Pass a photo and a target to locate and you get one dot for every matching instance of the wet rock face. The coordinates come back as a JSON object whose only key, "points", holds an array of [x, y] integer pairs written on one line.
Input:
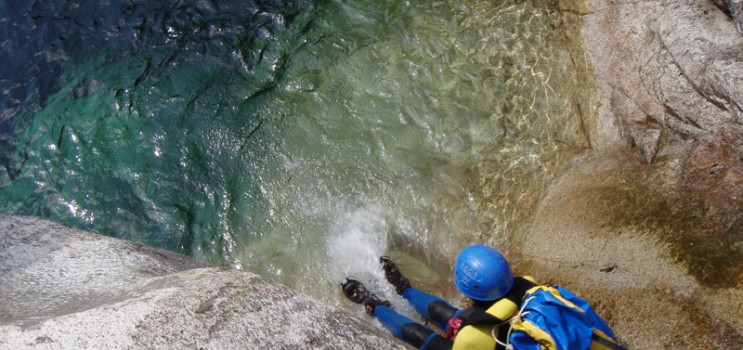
{"points": [[668, 78], [66, 289], [653, 213], [627, 250]]}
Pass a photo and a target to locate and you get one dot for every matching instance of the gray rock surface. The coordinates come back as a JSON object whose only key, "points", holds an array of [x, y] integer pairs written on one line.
{"points": [[666, 70], [49, 270], [735, 9], [62, 288]]}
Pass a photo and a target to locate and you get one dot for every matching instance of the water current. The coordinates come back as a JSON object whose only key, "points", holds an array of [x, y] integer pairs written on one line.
{"points": [[296, 139]]}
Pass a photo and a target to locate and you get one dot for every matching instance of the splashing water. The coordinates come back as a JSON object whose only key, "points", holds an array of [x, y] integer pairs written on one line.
{"points": [[354, 240], [299, 140], [354, 246]]}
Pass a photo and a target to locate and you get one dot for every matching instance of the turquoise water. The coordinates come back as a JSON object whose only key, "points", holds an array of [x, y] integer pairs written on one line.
{"points": [[297, 140]]}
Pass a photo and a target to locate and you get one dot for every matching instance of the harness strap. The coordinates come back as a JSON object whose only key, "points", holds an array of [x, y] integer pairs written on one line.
{"points": [[455, 323], [477, 314], [606, 342]]}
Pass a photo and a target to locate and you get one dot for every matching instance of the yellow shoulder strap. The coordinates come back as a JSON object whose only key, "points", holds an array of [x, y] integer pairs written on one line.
{"points": [[504, 308]]}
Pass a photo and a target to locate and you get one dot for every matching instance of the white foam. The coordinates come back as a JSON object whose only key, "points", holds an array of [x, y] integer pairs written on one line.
{"points": [[357, 240]]}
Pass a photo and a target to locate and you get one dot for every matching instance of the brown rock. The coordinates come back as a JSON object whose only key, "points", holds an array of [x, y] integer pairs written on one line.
{"points": [[651, 218]]}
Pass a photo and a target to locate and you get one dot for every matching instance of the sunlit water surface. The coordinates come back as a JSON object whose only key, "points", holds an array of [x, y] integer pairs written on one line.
{"points": [[297, 140]]}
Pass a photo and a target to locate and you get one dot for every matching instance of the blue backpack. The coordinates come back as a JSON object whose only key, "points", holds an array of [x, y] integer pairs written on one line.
{"points": [[553, 318]]}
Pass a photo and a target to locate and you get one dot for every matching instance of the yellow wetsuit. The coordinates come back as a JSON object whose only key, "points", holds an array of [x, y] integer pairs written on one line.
{"points": [[480, 336]]}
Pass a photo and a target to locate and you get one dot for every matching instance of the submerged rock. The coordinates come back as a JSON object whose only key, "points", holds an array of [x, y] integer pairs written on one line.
{"points": [[62, 288]]}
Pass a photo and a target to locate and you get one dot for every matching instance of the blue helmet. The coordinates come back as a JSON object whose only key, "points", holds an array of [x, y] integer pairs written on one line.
{"points": [[482, 273]]}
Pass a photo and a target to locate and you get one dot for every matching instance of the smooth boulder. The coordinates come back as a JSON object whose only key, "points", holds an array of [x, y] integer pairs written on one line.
{"points": [[62, 288]]}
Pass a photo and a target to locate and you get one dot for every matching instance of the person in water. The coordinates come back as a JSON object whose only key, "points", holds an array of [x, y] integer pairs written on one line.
{"points": [[507, 312]]}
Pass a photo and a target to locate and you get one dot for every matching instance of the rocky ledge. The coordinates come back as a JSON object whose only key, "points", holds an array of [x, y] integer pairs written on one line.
{"points": [[61, 288]]}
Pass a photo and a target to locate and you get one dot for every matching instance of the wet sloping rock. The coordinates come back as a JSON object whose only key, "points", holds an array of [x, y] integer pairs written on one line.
{"points": [[585, 237], [669, 77], [61, 288], [648, 224]]}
